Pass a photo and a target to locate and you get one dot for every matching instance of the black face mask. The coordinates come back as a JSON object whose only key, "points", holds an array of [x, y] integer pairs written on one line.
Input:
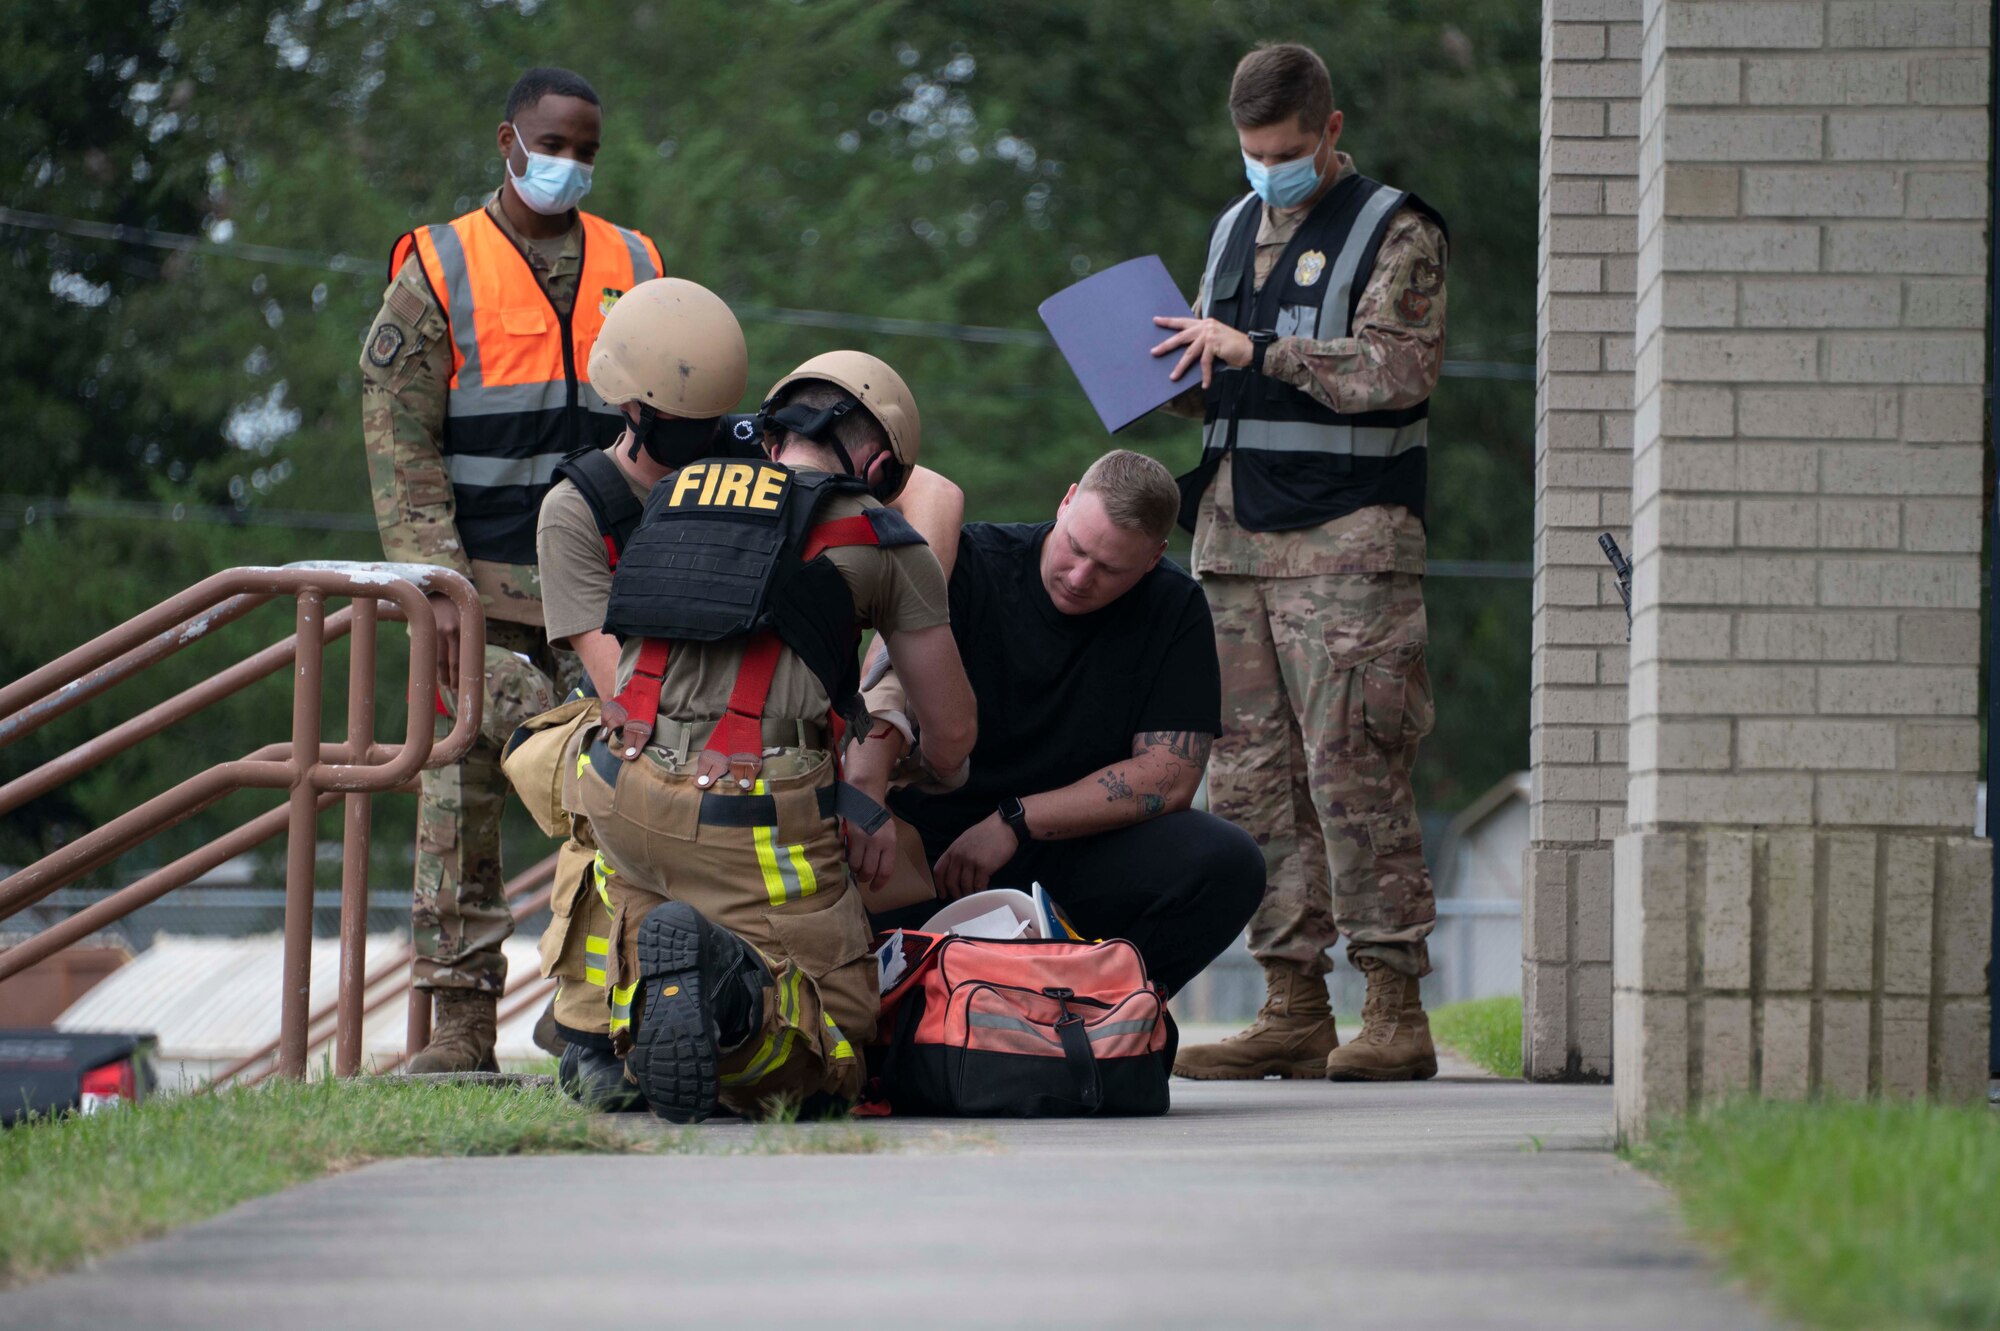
{"points": [[672, 442]]}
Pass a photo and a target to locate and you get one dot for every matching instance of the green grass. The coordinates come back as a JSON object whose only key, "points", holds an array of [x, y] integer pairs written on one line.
{"points": [[1485, 1030], [77, 1187], [1847, 1214]]}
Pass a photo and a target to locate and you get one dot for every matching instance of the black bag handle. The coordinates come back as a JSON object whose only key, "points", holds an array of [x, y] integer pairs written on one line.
{"points": [[1082, 1059]]}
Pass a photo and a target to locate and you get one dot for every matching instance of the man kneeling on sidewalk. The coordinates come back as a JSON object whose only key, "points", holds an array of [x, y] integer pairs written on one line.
{"points": [[1099, 695], [740, 971]]}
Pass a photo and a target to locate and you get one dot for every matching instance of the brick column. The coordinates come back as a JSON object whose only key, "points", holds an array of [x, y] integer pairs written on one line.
{"points": [[1583, 485], [1800, 906]]}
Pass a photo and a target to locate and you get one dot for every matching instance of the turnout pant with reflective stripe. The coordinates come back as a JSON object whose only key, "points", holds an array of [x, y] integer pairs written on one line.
{"points": [[576, 945], [768, 866]]}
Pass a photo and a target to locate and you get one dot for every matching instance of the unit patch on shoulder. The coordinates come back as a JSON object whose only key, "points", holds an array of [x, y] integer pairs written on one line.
{"points": [[732, 485], [609, 298], [1311, 264], [1414, 306], [382, 348]]}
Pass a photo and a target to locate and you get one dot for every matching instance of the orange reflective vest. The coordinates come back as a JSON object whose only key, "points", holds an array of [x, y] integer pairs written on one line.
{"points": [[520, 396]]}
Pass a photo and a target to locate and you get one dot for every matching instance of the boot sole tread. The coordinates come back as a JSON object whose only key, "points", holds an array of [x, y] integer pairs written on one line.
{"points": [[1295, 1072], [1418, 1073], [673, 1052]]}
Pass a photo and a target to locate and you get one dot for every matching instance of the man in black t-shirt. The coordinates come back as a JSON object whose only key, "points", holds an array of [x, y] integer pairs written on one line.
{"points": [[1099, 695]]}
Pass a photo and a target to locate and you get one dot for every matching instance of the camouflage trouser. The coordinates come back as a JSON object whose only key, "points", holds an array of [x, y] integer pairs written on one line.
{"points": [[1324, 697], [459, 917]]}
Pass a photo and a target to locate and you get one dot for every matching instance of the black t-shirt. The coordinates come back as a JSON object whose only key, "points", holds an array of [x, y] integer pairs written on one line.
{"points": [[1062, 695]]}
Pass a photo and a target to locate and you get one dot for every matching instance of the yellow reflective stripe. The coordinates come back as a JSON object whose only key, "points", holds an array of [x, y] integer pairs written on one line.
{"points": [[601, 873], [621, 1006], [841, 1048], [776, 1048], [600, 949], [767, 860], [582, 761], [802, 870]]}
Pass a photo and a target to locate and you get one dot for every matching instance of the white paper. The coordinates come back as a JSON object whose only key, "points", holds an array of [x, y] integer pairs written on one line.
{"points": [[1001, 923]]}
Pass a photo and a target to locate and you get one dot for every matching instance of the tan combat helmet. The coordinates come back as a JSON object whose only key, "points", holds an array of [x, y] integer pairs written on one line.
{"points": [[673, 345], [879, 390]]}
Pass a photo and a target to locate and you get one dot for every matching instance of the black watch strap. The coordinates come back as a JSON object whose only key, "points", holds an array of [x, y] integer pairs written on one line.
{"points": [[1013, 813]]}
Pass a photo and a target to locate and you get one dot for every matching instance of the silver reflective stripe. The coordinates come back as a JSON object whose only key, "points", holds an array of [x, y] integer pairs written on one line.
{"points": [[474, 472], [999, 1022], [1333, 308], [458, 297], [996, 1021], [642, 262], [507, 399], [1218, 243], [1362, 441]]}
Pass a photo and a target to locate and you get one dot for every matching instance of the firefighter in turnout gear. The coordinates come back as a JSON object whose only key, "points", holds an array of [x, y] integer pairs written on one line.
{"points": [[585, 522], [474, 385], [739, 968], [672, 417], [1319, 334]]}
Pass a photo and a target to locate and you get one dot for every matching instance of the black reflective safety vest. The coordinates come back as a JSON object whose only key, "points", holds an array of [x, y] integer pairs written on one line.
{"points": [[731, 549], [1298, 463]]}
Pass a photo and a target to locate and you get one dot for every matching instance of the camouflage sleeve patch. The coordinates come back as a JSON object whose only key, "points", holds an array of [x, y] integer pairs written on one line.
{"points": [[1397, 349], [405, 371]]}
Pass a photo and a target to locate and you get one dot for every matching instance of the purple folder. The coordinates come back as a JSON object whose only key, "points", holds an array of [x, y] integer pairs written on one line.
{"points": [[1104, 328]]}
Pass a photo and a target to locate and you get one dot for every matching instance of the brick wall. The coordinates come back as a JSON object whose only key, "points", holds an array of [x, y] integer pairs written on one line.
{"points": [[1583, 485], [1806, 529]]}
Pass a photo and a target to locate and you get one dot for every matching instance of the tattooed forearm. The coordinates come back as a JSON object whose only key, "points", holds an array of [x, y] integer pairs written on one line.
{"points": [[1152, 804], [1189, 746], [1115, 785]]}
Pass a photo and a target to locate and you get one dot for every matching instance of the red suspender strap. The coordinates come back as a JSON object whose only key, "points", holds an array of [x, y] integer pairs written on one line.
{"points": [[857, 530], [611, 551], [633, 712], [741, 729]]}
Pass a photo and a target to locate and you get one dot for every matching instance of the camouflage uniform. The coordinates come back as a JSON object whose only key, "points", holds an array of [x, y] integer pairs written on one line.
{"points": [[460, 916], [1321, 636]]}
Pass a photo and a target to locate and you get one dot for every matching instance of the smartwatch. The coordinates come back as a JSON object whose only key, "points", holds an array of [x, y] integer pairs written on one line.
{"points": [[1015, 816], [1260, 344]]}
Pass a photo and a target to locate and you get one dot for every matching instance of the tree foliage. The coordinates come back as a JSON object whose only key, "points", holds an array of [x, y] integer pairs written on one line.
{"points": [[949, 160]]}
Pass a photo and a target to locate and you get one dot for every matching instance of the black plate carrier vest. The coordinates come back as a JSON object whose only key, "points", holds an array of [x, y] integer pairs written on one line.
{"points": [[716, 556], [1299, 463]]}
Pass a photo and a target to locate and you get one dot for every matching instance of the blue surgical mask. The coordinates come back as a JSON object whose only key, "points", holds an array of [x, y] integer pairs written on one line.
{"points": [[1288, 184], [551, 185]]}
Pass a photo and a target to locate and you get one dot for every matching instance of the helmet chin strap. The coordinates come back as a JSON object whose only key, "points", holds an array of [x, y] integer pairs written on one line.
{"points": [[817, 426]]}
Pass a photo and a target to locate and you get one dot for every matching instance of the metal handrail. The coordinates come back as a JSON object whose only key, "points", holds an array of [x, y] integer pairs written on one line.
{"points": [[316, 774], [526, 893]]}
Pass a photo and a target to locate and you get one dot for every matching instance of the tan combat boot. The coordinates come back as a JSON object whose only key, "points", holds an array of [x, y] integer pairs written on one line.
{"points": [[1395, 1040], [1292, 1036], [462, 1039]]}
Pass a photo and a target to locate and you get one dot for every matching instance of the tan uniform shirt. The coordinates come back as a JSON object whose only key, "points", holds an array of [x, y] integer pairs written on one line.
{"points": [[402, 422], [1392, 360], [899, 589], [576, 569]]}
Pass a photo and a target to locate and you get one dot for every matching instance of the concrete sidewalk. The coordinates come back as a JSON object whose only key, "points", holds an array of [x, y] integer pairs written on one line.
{"points": [[1457, 1203]]}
